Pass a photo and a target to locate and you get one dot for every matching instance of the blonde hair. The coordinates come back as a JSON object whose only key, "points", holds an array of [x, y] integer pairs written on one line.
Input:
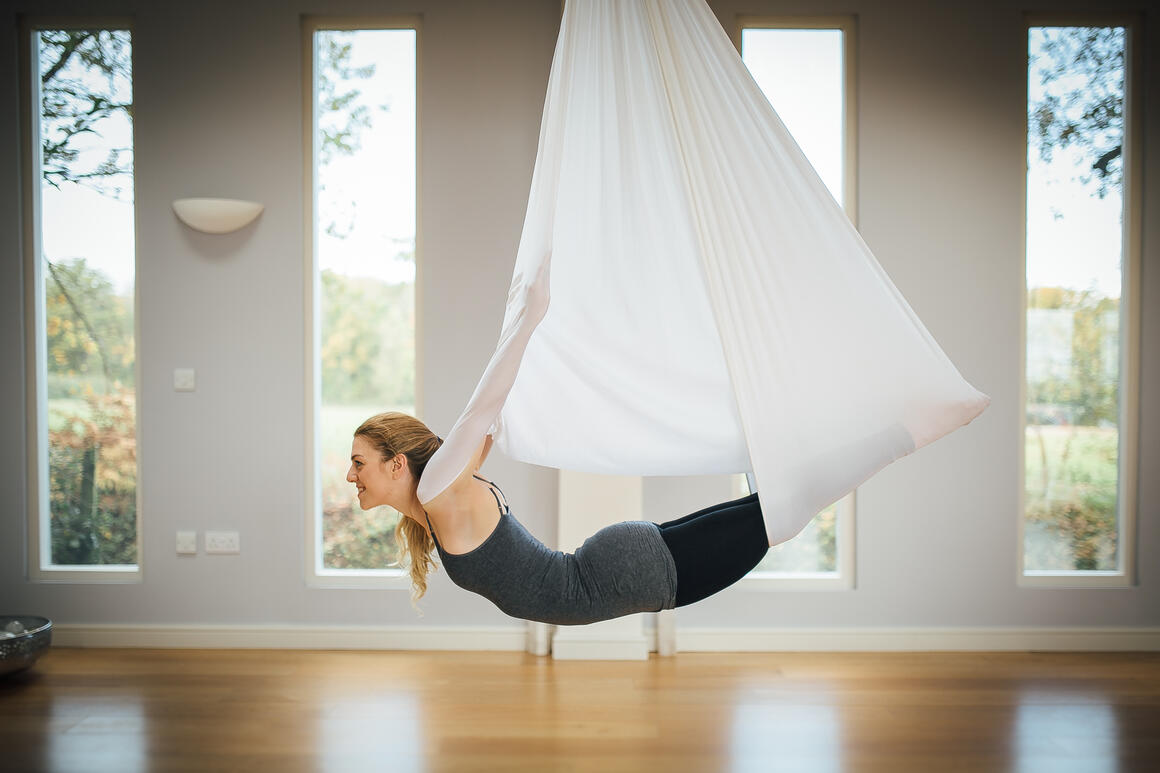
{"points": [[395, 433]]}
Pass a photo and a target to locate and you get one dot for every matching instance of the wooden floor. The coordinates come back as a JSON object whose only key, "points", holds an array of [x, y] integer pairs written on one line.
{"points": [[223, 710]]}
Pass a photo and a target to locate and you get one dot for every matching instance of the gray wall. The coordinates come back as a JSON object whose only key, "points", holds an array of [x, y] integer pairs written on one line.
{"points": [[218, 112]]}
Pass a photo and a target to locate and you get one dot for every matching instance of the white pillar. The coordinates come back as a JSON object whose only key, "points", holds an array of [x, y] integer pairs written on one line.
{"points": [[667, 632], [539, 637], [588, 503]]}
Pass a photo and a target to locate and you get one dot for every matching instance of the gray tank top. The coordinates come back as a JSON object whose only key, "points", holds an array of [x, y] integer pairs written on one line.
{"points": [[619, 570]]}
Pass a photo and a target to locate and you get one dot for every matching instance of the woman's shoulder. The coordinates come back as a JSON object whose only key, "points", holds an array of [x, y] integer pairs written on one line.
{"points": [[438, 475], [461, 494], [463, 515]]}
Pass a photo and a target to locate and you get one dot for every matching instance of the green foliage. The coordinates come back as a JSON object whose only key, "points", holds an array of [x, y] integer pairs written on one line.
{"points": [[353, 539], [1072, 467], [1087, 394], [89, 331], [827, 539], [1071, 499], [814, 549], [92, 453], [85, 88], [1082, 71], [368, 325], [368, 364], [1071, 470], [92, 457], [340, 117], [85, 80], [368, 333]]}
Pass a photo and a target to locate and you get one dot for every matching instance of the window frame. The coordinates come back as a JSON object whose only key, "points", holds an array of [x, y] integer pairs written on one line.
{"points": [[843, 578], [38, 563], [1132, 236], [316, 575]]}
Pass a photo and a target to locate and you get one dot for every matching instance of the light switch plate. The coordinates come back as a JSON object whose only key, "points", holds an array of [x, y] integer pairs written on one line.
{"points": [[184, 379], [187, 543]]}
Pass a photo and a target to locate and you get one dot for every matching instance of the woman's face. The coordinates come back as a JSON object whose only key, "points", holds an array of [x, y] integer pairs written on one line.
{"points": [[372, 475]]}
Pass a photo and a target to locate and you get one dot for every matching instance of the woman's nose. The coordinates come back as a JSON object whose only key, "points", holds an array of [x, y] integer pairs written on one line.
{"points": [[350, 475]]}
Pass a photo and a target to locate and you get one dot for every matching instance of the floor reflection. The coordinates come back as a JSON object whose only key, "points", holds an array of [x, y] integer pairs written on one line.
{"points": [[1064, 732], [97, 734], [371, 732], [296, 712], [772, 735]]}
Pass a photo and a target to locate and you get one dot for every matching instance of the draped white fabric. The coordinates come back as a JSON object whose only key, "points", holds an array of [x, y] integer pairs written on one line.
{"points": [[688, 298]]}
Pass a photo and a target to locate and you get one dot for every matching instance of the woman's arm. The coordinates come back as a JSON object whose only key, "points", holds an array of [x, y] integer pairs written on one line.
{"points": [[527, 305], [473, 466], [483, 456]]}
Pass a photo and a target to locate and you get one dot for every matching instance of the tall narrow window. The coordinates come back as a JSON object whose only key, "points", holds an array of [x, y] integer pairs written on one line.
{"points": [[1078, 159], [362, 275], [82, 410], [803, 72]]}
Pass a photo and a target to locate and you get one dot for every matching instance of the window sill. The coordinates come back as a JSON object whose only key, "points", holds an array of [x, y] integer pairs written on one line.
{"points": [[1073, 579], [119, 574], [360, 579]]}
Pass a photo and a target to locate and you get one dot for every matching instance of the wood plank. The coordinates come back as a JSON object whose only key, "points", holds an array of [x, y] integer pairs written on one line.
{"points": [[208, 710]]}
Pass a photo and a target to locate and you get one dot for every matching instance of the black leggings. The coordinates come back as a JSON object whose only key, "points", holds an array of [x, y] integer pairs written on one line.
{"points": [[715, 547]]}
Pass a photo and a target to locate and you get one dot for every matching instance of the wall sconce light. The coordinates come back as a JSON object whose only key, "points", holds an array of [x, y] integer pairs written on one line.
{"points": [[216, 216]]}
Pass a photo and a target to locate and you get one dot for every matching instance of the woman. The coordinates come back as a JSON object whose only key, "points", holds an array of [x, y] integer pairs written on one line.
{"points": [[633, 566]]}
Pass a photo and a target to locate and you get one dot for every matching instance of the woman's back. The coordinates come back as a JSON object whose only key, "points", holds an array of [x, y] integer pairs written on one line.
{"points": [[622, 569]]}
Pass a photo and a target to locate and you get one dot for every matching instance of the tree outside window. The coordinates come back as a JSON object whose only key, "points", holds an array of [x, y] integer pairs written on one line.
{"points": [[86, 155], [365, 134], [1074, 253]]}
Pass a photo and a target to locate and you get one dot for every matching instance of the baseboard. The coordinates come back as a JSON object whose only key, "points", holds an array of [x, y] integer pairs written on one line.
{"points": [[291, 637], [1087, 639], [1090, 639], [622, 638], [600, 649]]}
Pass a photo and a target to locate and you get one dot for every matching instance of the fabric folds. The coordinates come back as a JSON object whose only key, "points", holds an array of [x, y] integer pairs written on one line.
{"points": [[688, 298]]}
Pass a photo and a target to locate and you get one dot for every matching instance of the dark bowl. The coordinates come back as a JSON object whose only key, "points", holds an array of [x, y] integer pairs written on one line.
{"points": [[21, 651]]}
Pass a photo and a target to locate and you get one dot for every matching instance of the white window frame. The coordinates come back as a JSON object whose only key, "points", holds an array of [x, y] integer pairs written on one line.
{"points": [[316, 575], [39, 560], [843, 578], [1129, 419]]}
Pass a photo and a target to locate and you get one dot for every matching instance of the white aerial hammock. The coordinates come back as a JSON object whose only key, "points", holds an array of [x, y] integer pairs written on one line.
{"points": [[712, 309]]}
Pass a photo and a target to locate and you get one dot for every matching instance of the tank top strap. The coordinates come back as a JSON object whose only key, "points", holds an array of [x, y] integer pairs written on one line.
{"points": [[502, 505], [431, 530]]}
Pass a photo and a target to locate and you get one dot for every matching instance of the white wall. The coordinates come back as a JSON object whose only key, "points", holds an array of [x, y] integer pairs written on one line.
{"points": [[218, 112]]}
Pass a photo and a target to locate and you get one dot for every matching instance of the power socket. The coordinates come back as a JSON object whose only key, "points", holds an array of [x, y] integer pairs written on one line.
{"points": [[222, 542]]}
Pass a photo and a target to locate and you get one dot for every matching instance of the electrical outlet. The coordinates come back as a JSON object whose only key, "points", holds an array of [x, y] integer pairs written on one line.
{"points": [[222, 542], [187, 543]]}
